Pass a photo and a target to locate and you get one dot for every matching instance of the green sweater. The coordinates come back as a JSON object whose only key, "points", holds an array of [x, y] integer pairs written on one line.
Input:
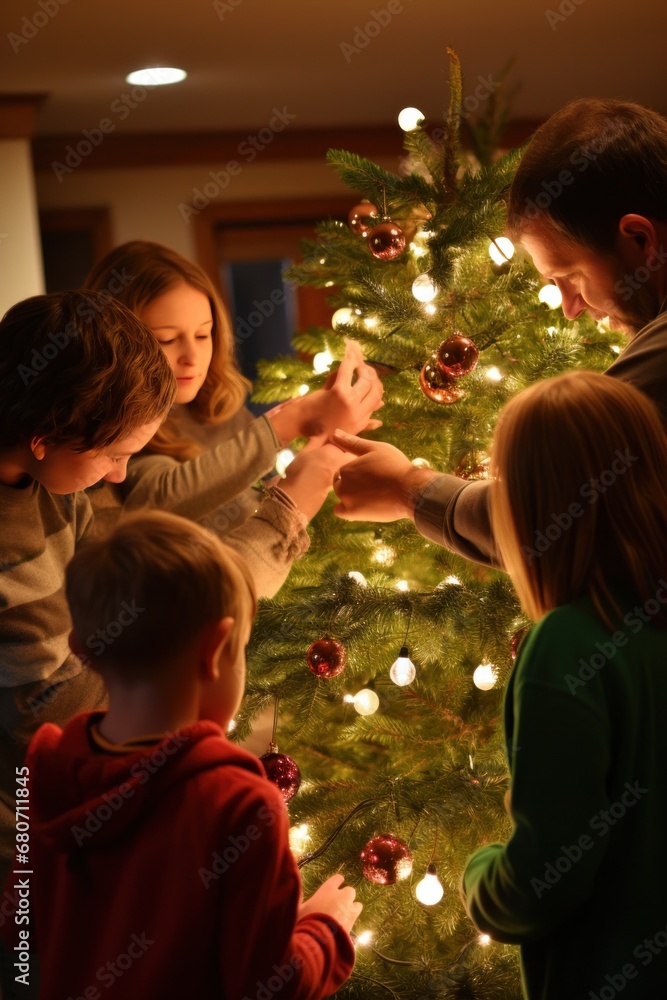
{"points": [[581, 885]]}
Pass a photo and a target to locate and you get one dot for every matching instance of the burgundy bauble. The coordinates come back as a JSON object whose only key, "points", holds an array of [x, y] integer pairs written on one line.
{"points": [[386, 859], [515, 641], [283, 771], [326, 657], [436, 386], [386, 240], [363, 217], [457, 356]]}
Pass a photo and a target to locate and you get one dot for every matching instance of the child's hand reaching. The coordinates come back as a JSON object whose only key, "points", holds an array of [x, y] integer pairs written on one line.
{"points": [[340, 404], [336, 900]]}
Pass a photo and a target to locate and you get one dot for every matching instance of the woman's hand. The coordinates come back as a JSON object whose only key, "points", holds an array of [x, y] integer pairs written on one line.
{"points": [[344, 402]]}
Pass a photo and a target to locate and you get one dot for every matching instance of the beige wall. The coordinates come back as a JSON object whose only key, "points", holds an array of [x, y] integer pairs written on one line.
{"points": [[21, 272], [144, 202]]}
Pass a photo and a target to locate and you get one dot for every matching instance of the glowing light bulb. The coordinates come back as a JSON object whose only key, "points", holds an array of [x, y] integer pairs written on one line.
{"points": [[323, 260], [484, 939], [550, 296], [156, 76], [303, 389], [416, 250], [494, 374], [232, 726], [453, 581], [341, 316], [358, 577], [430, 308], [551, 330], [402, 670], [409, 119], [485, 676], [385, 555], [403, 585], [429, 891], [421, 463], [364, 938], [299, 837], [501, 250], [422, 235], [370, 322], [328, 284], [365, 702], [424, 288], [322, 361], [615, 348], [283, 459]]}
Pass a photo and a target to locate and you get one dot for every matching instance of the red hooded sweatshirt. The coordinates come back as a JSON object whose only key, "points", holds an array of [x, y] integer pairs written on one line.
{"points": [[166, 873]]}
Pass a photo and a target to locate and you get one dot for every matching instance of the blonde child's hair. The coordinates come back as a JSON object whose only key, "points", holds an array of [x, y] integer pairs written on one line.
{"points": [[579, 500], [152, 270], [140, 596]]}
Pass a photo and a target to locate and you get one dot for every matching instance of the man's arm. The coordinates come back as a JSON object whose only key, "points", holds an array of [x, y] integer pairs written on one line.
{"points": [[383, 485]]}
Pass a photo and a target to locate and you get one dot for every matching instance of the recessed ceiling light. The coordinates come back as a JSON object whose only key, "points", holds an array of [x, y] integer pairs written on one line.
{"points": [[157, 76]]}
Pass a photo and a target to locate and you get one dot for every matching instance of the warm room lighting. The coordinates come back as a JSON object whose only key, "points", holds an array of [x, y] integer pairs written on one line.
{"points": [[156, 76]]}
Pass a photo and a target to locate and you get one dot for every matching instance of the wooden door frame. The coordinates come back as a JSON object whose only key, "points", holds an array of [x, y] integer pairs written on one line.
{"points": [[290, 210]]}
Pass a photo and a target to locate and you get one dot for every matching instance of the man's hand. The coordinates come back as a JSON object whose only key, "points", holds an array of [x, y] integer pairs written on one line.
{"points": [[380, 485], [334, 899]]}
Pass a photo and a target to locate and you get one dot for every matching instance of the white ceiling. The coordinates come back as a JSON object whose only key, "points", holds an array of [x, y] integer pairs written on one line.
{"points": [[287, 53]]}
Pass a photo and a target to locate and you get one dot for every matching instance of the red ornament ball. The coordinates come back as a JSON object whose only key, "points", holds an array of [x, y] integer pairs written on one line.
{"points": [[386, 859], [515, 641], [326, 657], [283, 771], [437, 386], [362, 217], [457, 356], [386, 240]]}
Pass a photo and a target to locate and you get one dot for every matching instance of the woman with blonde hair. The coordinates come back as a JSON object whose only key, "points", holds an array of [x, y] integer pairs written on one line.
{"points": [[210, 450], [578, 510]]}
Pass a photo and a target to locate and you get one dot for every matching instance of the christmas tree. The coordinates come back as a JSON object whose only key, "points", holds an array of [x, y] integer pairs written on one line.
{"points": [[386, 655]]}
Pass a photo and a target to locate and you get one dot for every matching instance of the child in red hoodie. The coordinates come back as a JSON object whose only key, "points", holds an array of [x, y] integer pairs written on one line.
{"points": [[159, 850]]}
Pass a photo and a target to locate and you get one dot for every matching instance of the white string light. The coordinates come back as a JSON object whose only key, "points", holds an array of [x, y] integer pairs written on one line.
{"points": [[409, 119], [550, 295], [342, 315], [322, 361], [402, 670], [283, 459], [485, 676], [424, 288], [429, 891], [501, 250], [365, 702]]}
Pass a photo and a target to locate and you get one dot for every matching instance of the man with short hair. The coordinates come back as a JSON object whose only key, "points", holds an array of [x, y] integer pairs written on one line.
{"points": [[589, 204]]}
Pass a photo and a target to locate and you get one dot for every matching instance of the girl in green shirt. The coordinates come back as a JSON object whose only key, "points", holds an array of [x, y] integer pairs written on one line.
{"points": [[578, 510]]}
